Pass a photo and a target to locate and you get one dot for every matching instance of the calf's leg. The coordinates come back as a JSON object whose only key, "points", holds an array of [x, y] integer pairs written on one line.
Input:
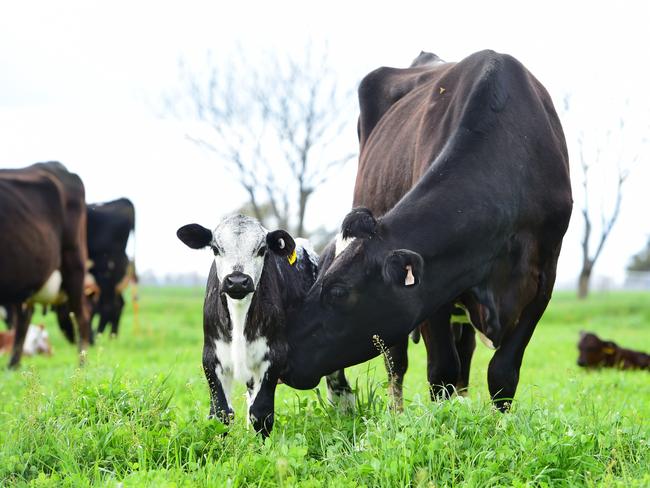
{"points": [[339, 392], [219, 386], [261, 404]]}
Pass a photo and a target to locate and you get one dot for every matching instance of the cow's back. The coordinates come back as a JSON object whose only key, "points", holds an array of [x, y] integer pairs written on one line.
{"points": [[109, 226], [488, 115], [31, 230]]}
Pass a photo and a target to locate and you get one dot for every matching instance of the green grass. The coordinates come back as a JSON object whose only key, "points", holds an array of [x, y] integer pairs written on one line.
{"points": [[136, 415]]}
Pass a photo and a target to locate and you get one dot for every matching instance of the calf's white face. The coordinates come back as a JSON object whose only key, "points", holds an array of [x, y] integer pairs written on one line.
{"points": [[239, 244]]}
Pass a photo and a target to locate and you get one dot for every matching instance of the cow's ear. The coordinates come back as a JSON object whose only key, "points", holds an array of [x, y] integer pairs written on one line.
{"points": [[359, 223], [281, 243], [403, 268], [195, 236]]}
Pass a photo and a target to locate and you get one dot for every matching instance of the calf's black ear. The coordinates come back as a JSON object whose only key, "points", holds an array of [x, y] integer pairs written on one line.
{"points": [[281, 243], [403, 268], [195, 236], [359, 223]]}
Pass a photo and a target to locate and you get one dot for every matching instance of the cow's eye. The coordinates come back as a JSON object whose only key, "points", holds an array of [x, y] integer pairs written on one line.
{"points": [[215, 250], [337, 294], [262, 251]]}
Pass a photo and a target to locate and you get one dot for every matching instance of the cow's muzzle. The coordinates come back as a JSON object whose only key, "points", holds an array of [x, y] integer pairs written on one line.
{"points": [[237, 285]]}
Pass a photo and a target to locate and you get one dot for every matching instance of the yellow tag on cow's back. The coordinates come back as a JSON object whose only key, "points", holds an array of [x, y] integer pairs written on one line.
{"points": [[292, 257]]}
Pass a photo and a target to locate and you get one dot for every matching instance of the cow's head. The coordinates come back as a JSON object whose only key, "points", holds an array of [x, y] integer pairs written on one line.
{"points": [[371, 293], [595, 352], [239, 244]]}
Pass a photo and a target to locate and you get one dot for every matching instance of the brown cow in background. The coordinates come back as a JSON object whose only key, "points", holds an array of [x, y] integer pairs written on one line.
{"points": [[43, 242], [595, 352]]}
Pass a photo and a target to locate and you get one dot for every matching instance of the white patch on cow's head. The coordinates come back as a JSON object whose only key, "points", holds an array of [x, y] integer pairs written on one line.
{"points": [[342, 243], [241, 244]]}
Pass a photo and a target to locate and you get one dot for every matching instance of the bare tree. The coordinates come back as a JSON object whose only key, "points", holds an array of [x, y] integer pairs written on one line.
{"points": [[275, 125], [608, 217]]}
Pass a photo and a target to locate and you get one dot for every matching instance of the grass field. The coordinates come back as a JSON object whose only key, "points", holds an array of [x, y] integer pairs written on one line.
{"points": [[136, 415]]}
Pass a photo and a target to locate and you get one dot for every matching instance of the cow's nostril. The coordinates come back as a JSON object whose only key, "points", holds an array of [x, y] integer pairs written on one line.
{"points": [[238, 285]]}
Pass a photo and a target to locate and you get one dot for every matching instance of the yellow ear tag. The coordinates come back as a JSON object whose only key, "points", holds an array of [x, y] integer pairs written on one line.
{"points": [[609, 350], [292, 258]]}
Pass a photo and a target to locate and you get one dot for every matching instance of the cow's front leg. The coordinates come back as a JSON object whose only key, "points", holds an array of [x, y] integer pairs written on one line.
{"points": [[261, 403], [219, 381], [465, 345], [443, 368]]}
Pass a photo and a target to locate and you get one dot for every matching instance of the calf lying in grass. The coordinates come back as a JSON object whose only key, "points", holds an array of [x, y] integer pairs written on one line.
{"points": [[256, 280], [595, 352]]}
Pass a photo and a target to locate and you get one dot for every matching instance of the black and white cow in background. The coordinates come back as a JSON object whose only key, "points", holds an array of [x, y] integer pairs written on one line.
{"points": [[258, 278]]}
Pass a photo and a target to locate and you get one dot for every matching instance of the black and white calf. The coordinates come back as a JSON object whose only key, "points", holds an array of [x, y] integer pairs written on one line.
{"points": [[257, 279]]}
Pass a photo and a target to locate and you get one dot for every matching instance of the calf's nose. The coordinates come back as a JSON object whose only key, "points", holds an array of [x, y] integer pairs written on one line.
{"points": [[237, 285]]}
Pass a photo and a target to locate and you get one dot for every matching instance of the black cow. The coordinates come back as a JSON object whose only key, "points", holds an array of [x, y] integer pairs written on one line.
{"points": [[43, 242], [258, 278], [109, 226], [468, 165]]}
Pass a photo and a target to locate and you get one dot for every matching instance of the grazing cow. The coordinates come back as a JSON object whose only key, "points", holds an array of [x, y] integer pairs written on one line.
{"points": [[467, 165], [43, 242], [257, 279], [109, 226], [595, 353]]}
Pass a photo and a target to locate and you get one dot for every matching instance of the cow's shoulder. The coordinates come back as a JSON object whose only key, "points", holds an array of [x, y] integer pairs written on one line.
{"points": [[489, 81], [382, 88]]}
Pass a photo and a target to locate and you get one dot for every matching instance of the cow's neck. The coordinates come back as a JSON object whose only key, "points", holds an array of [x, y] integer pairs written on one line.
{"points": [[430, 223]]}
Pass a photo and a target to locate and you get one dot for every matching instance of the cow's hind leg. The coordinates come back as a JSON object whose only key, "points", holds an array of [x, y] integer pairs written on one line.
{"points": [[503, 371], [73, 283], [219, 387], [261, 404], [22, 316], [465, 345], [339, 392], [65, 324], [397, 363], [116, 314], [443, 368]]}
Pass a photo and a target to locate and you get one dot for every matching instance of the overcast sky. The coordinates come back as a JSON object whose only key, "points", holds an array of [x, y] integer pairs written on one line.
{"points": [[81, 82]]}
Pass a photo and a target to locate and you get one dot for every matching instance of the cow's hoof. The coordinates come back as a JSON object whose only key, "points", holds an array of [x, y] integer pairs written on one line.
{"points": [[262, 425]]}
